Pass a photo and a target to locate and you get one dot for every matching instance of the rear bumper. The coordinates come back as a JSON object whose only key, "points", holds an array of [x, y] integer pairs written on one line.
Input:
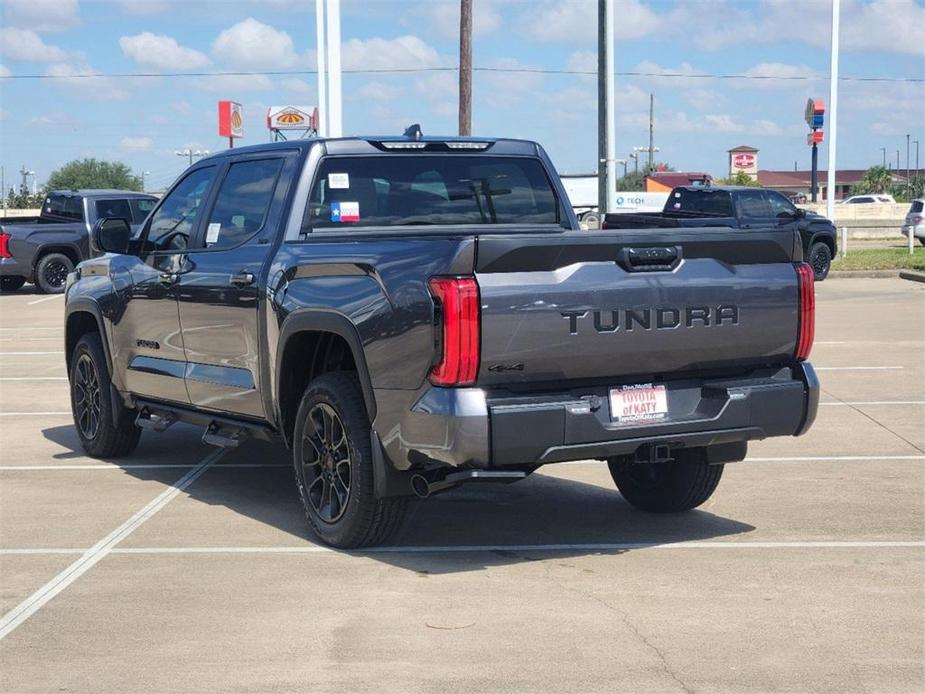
{"points": [[485, 429], [11, 267]]}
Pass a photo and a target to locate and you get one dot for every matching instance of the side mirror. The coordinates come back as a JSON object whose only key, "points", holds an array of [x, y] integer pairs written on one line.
{"points": [[801, 213], [111, 235]]}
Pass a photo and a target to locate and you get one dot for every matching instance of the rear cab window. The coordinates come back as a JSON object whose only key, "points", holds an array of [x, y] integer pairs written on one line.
{"points": [[705, 202], [65, 207], [141, 208], [430, 189]]}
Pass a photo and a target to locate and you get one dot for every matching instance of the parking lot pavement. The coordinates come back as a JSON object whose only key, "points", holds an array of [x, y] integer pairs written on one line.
{"points": [[803, 572]]}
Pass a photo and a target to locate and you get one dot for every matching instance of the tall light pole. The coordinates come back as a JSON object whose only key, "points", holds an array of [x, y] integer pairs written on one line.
{"points": [[883, 149], [606, 118], [143, 174], [652, 149], [907, 158], [897, 161], [916, 143], [192, 153], [465, 67]]}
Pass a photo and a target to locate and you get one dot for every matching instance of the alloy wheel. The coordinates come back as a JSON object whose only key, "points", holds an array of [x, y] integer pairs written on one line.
{"points": [[326, 463], [87, 393]]}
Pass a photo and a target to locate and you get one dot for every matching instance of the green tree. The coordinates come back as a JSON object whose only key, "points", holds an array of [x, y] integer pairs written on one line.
{"points": [[740, 179], [636, 180], [92, 173], [914, 188], [877, 179]]}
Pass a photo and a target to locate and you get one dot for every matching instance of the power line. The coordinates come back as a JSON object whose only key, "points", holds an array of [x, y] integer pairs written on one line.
{"points": [[506, 70]]}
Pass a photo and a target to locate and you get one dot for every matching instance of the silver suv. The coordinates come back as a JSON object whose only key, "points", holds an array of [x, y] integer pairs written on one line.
{"points": [[915, 220]]}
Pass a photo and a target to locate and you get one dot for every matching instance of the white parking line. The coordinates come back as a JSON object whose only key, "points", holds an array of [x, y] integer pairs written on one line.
{"points": [[139, 466], [33, 378], [35, 414], [457, 549], [29, 339], [29, 354], [802, 459], [859, 368], [45, 298], [92, 556], [859, 403]]}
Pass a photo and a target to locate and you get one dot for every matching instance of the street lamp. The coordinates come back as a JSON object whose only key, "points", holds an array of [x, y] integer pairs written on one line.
{"points": [[635, 157], [190, 153], [143, 174], [883, 149], [648, 150], [916, 143]]}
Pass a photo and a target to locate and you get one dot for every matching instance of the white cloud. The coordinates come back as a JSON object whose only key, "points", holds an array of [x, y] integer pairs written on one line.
{"points": [[377, 91], [778, 76], [294, 84], [230, 85], [41, 15], [136, 144], [5, 71], [161, 52], [253, 45], [26, 45], [144, 8], [505, 89], [576, 20], [53, 119], [444, 18], [379, 53], [85, 81]]}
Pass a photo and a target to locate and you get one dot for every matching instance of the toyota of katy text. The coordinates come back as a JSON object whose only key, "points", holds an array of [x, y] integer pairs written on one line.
{"points": [[410, 314]]}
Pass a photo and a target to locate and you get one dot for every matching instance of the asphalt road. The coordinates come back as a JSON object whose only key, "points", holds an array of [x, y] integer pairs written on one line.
{"points": [[184, 569]]}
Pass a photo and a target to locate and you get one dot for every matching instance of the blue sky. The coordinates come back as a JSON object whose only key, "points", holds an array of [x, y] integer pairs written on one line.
{"points": [[698, 116]]}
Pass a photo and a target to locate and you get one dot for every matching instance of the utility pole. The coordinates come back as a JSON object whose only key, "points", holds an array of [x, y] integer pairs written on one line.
{"points": [[907, 158], [143, 174], [916, 143], [601, 106], [651, 133], [191, 153], [465, 67], [883, 149], [897, 160], [833, 113]]}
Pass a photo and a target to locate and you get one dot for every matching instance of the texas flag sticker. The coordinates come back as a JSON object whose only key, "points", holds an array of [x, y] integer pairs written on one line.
{"points": [[345, 212]]}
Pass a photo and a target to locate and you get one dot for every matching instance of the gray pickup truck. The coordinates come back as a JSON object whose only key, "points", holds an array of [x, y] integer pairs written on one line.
{"points": [[410, 314], [44, 249]]}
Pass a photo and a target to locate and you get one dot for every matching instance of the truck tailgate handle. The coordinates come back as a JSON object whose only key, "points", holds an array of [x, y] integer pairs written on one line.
{"points": [[651, 259]]}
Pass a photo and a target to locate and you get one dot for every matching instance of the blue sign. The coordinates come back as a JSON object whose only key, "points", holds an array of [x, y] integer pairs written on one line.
{"points": [[818, 118]]}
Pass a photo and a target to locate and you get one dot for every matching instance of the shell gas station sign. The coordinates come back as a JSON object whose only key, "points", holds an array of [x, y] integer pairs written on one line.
{"points": [[230, 120]]}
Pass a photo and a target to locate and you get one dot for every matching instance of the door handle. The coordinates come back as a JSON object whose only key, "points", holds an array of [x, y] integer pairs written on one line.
{"points": [[168, 278], [243, 279]]}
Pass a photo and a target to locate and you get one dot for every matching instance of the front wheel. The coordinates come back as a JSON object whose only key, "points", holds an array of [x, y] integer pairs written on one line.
{"points": [[681, 485], [332, 456], [11, 283], [820, 258], [52, 271], [92, 405]]}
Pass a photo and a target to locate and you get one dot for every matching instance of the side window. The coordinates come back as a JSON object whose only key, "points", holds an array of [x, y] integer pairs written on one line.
{"points": [[781, 207], [113, 208], [752, 205], [141, 208], [175, 220], [242, 203]]}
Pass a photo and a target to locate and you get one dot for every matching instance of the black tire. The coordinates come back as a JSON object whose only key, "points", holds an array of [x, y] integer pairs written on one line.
{"points": [[11, 283], [332, 457], [92, 406], [820, 259], [51, 272], [680, 485]]}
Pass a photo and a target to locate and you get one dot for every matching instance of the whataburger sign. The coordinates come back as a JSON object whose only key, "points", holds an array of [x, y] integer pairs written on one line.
{"points": [[292, 118]]}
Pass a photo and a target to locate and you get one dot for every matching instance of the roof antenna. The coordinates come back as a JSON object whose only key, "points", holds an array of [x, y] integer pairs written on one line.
{"points": [[413, 132]]}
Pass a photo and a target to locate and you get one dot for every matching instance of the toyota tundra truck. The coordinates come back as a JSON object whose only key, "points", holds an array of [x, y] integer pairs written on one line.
{"points": [[409, 314]]}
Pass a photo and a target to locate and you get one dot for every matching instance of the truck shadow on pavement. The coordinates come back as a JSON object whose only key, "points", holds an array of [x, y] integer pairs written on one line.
{"points": [[466, 529]]}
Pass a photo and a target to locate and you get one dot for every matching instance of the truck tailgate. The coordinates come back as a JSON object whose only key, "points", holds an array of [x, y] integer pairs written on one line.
{"points": [[634, 304]]}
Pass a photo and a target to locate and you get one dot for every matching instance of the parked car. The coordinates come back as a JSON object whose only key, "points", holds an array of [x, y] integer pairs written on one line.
{"points": [[915, 220], [868, 199], [44, 249], [409, 314], [740, 207]]}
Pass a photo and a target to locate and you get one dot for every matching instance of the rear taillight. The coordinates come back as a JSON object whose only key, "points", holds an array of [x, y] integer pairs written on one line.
{"points": [[5, 246], [807, 330], [916, 219], [457, 308]]}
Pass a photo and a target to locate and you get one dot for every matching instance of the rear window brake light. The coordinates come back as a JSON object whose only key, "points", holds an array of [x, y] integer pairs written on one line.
{"points": [[404, 145], [467, 145]]}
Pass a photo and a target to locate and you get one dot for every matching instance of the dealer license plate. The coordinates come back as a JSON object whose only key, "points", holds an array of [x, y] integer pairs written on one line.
{"points": [[638, 403]]}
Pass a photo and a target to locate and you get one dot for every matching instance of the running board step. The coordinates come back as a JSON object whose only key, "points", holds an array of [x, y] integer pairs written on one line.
{"points": [[155, 421], [223, 436]]}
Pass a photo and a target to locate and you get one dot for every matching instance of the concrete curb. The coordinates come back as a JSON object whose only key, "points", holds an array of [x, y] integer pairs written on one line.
{"points": [[914, 276], [869, 274]]}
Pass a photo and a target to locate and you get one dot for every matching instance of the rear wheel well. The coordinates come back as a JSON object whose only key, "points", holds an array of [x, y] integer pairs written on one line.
{"points": [[79, 324], [306, 356], [63, 250], [826, 239]]}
